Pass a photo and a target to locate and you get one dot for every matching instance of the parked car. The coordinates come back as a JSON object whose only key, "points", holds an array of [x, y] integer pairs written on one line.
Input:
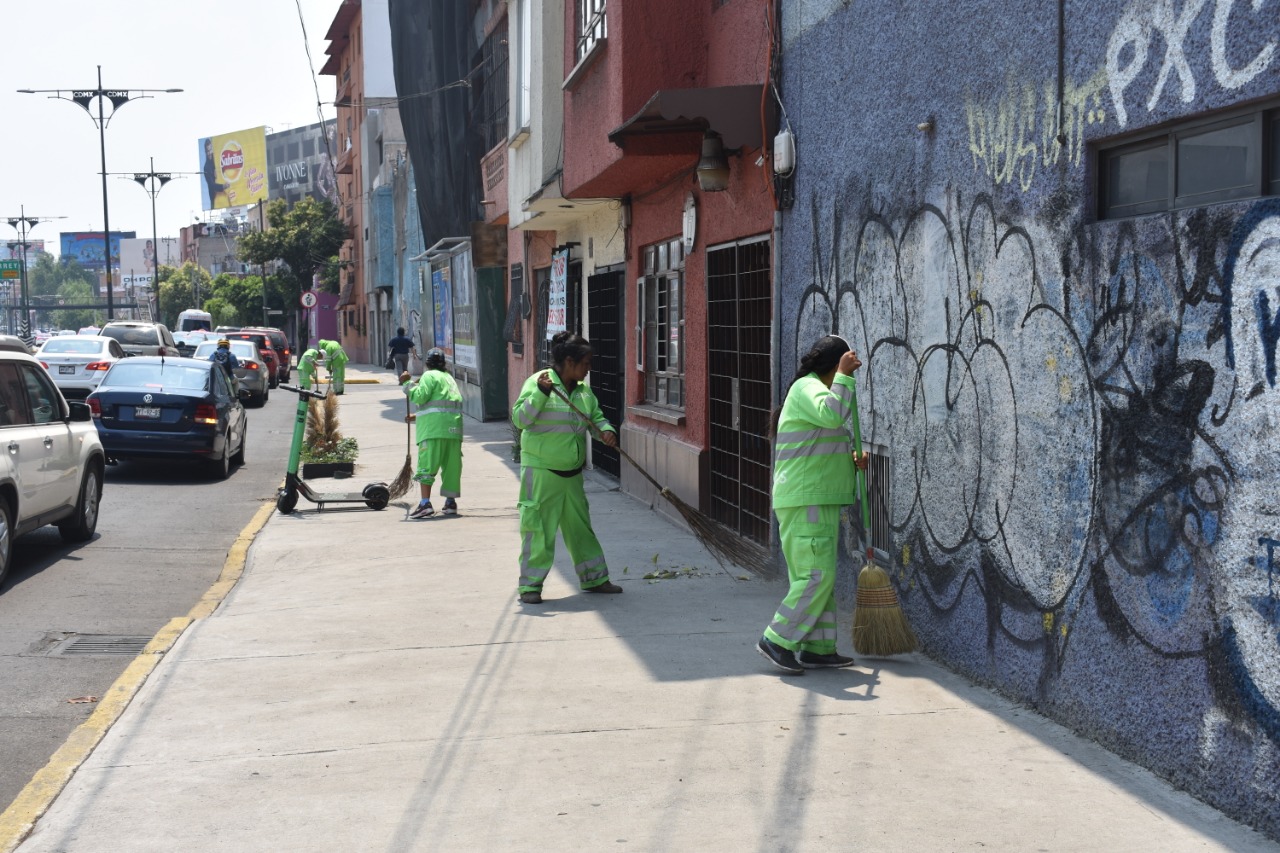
{"points": [[280, 343], [188, 341], [13, 343], [170, 408], [263, 342], [141, 338], [253, 375], [52, 472], [77, 363]]}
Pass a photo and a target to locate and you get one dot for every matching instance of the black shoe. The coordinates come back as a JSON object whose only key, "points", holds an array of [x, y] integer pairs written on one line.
{"points": [[812, 660], [783, 659], [530, 598], [608, 587]]}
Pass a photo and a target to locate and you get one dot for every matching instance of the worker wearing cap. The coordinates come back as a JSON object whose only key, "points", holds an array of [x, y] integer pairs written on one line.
{"points": [[335, 359], [307, 367], [225, 357]]}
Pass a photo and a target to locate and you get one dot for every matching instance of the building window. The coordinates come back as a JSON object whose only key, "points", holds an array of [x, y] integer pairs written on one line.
{"points": [[591, 26], [489, 95], [661, 315], [522, 95], [1192, 164]]}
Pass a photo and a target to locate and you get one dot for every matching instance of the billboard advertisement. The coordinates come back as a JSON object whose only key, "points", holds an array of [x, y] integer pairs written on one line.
{"points": [[137, 262], [13, 251], [234, 166], [86, 248], [300, 163], [442, 327], [464, 311]]}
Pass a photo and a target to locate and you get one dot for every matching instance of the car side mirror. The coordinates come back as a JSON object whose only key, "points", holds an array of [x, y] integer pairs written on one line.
{"points": [[79, 412]]}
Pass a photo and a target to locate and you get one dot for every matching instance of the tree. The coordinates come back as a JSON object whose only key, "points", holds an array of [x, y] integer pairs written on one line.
{"points": [[75, 292], [178, 288], [305, 238]]}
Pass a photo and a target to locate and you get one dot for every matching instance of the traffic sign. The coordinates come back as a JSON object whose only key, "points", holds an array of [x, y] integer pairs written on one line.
{"points": [[309, 299], [10, 269]]}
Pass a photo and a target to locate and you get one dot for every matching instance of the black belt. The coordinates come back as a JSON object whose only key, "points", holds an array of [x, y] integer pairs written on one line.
{"points": [[575, 472]]}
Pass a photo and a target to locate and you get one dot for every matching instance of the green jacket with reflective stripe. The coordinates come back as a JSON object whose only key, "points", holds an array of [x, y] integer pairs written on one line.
{"points": [[439, 406], [812, 463], [551, 435]]}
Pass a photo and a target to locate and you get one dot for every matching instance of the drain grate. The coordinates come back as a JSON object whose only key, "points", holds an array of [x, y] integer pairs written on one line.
{"points": [[100, 644]]}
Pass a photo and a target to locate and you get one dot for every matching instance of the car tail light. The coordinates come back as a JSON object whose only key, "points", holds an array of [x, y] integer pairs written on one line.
{"points": [[251, 365], [98, 365], [95, 407], [45, 365], [206, 413], [165, 351]]}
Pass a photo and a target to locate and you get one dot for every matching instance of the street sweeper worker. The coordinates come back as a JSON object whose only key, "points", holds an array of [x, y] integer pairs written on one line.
{"points": [[335, 361], [307, 367], [438, 431], [813, 477], [553, 449]]}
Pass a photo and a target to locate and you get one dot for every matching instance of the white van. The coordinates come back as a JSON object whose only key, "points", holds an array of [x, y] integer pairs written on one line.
{"points": [[193, 319]]}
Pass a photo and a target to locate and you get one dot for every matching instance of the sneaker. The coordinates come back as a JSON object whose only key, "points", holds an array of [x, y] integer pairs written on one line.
{"points": [[608, 587], [450, 507], [530, 598], [425, 510], [812, 660], [783, 659]]}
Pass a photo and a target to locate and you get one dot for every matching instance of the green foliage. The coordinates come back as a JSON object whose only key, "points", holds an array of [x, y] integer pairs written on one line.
{"points": [[305, 238], [324, 441], [72, 292], [180, 289]]}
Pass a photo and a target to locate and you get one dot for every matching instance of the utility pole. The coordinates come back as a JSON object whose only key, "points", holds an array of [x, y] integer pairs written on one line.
{"points": [[118, 98], [23, 224], [153, 182]]}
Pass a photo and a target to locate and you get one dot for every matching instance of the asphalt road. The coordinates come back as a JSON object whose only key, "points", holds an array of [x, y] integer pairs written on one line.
{"points": [[163, 534]]}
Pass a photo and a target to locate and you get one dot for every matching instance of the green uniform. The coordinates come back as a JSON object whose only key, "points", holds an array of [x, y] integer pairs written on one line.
{"points": [[439, 430], [307, 368], [553, 449], [813, 476], [335, 361]]}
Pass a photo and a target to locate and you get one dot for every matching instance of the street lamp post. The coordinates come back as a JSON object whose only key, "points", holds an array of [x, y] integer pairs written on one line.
{"points": [[118, 98], [23, 224], [153, 182]]}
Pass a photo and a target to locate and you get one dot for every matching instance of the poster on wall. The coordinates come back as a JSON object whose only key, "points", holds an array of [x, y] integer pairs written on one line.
{"points": [[557, 298], [464, 311], [442, 311]]}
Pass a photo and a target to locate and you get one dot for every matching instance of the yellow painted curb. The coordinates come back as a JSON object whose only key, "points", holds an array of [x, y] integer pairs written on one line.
{"points": [[34, 800], [351, 381]]}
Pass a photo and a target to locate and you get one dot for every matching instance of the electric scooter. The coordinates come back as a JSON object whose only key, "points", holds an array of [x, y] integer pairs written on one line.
{"points": [[374, 495]]}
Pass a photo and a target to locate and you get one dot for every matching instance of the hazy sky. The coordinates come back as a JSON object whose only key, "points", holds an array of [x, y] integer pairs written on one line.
{"points": [[241, 65]]}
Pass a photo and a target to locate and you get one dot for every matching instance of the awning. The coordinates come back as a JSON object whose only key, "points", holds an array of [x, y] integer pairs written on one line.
{"points": [[347, 296], [731, 111]]}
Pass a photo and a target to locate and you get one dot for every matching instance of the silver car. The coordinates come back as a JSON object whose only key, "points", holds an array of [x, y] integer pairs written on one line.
{"points": [[252, 376], [77, 363], [141, 338]]}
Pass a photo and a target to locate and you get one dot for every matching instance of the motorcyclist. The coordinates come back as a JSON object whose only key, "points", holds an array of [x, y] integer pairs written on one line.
{"points": [[225, 357]]}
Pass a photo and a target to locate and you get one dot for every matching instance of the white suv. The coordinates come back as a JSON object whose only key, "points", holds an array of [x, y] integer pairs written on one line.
{"points": [[52, 472]]}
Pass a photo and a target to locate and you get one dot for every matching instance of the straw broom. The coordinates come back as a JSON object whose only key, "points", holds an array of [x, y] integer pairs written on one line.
{"points": [[722, 542], [400, 485], [879, 626]]}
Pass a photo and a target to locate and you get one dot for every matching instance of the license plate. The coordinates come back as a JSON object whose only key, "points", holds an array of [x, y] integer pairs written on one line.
{"points": [[146, 411], [66, 368]]}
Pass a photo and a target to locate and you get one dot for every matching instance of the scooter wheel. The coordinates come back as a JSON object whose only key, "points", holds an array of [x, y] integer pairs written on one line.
{"points": [[376, 495], [286, 501]]}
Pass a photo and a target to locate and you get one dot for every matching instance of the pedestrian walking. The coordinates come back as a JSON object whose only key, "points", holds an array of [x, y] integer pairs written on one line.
{"points": [[439, 433], [399, 348], [308, 365], [335, 361], [813, 477], [553, 451]]}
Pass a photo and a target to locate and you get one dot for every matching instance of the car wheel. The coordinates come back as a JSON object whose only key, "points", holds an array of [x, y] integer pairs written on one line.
{"points": [[244, 439], [221, 468], [6, 539], [265, 395], [80, 527]]}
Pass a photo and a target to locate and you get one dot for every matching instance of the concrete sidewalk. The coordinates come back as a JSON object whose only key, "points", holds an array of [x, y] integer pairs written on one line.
{"points": [[372, 684]]}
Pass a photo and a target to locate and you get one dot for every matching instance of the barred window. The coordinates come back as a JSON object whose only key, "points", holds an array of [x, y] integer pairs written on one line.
{"points": [[591, 26], [661, 314]]}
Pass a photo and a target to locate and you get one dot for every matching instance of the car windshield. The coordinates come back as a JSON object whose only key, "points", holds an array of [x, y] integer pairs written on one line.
{"points": [[130, 374], [240, 349], [60, 345], [136, 335]]}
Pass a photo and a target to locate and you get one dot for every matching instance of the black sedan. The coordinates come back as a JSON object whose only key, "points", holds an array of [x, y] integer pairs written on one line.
{"points": [[149, 407]]}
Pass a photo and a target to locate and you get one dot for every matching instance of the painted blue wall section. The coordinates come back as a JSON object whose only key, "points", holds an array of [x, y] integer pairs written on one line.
{"points": [[407, 305], [382, 206], [1082, 417]]}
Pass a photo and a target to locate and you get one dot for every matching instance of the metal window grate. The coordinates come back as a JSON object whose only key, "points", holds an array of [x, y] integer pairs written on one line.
{"points": [[878, 479], [592, 26]]}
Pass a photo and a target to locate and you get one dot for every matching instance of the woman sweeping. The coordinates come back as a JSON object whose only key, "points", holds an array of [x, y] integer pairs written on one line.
{"points": [[813, 477], [553, 449]]}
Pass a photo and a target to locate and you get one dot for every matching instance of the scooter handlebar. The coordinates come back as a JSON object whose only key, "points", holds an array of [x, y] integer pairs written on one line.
{"points": [[304, 392]]}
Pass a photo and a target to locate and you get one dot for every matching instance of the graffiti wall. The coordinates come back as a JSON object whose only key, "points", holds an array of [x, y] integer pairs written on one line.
{"points": [[1081, 417]]}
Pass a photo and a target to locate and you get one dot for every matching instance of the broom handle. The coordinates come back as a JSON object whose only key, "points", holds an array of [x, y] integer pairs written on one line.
{"points": [[860, 474], [600, 436]]}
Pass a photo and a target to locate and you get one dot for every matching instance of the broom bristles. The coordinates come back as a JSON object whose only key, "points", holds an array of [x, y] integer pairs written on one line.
{"points": [[723, 543], [879, 626], [400, 485]]}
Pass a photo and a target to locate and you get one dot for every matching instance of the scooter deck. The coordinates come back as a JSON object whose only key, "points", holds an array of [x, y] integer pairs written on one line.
{"points": [[322, 498]]}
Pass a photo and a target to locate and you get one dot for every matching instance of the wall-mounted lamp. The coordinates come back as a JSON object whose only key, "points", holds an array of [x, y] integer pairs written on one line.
{"points": [[713, 167]]}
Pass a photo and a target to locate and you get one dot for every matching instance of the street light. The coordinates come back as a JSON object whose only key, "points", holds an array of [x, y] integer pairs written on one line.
{"points": [[23, 224], [118, 98], [153, 182]]}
